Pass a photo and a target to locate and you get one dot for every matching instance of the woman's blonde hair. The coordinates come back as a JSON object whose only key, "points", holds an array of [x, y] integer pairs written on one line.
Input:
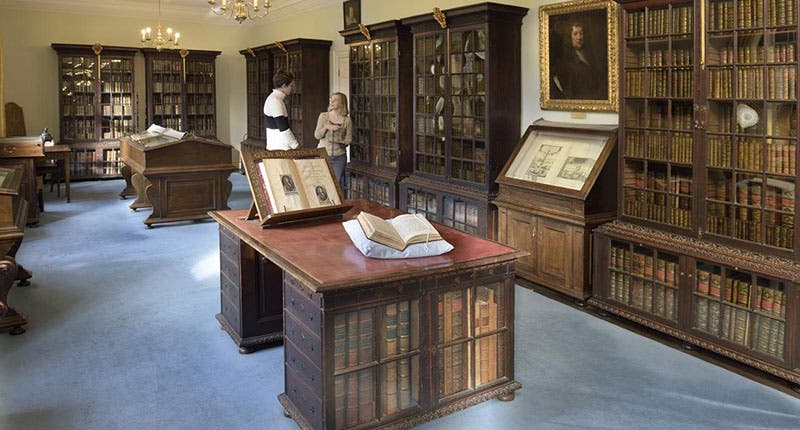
{"points": [[343, 100]]}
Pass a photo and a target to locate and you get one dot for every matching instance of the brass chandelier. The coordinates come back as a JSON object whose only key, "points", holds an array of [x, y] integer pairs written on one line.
{"points": [[240, 10], [160, 40]]}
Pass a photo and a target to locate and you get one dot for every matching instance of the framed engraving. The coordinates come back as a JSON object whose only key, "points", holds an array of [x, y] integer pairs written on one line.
{"points": [[290, 186], [578, 56], [560, 156]]}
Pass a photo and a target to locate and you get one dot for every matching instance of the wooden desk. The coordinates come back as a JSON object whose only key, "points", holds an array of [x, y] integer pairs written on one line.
{"points": [[182, 179], [24, 150], [60, 153], [371, 342], [13, 215]]}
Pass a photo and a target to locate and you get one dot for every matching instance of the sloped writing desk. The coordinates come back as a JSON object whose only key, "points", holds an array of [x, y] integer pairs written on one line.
{"points": [[370, 342], [182, 179]]}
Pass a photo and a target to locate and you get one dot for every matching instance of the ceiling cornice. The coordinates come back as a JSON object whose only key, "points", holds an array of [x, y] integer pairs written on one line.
{"points": [[181, 10]]}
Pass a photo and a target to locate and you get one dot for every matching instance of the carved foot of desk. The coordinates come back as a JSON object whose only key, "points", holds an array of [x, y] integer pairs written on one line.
{"points": [[246, 350], [796, 388], [688, 346], [286, 413], [16, 331], [506, 398], [23, 275]]}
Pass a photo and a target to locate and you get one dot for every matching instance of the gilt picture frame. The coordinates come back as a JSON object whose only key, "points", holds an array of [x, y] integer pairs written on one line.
{"points": [[578, 56], [351, 14]]}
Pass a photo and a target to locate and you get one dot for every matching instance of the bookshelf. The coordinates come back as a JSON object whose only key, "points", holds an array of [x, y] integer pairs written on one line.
{"points": [[466, 111], [708, 179], [181, 90], [97, 105], [380, 105], [309, 98]]}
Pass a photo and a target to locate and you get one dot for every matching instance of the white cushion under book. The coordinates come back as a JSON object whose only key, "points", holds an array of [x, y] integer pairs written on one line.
{"points": [[375, 250]]}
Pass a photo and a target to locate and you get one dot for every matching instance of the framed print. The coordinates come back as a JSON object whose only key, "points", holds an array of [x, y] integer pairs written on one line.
{"points": [[352, 13], [578, 56], [559, 155], [291, 186]]}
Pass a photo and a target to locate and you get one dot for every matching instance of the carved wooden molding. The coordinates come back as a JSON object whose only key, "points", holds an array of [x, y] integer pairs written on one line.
{"points": [[365, 31], [704, 250], [440, 17]]}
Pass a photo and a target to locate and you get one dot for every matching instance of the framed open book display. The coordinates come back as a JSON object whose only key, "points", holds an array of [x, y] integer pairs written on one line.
{"points": [[559, 183], [292, 186], [555, 156]]}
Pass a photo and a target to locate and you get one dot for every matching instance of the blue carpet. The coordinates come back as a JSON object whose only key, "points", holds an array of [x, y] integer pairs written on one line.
{"points": [[122, 335]]}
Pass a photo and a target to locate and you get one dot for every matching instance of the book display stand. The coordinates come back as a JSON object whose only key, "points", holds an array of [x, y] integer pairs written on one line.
{"points": [[292, 186], [556, 187]]}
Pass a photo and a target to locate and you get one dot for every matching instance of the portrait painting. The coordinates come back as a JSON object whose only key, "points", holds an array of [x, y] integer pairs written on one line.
{"points": [[352, 13], [578, 55]]}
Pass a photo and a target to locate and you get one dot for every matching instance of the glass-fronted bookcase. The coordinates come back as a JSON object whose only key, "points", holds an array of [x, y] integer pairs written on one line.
{"points": [[97, 106], [181, 90], [310, 96], [380, 106], [706, 241], [466, 68]]}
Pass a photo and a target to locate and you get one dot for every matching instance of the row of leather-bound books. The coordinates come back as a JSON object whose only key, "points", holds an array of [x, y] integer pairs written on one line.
{"points": [[781, 82], [750, 13], [766, 299], [780, 156], [657, 116], [782, 52], [455, 363], [677, 83], [659, 145], [739, 326], [356, 338], [657, 22]]}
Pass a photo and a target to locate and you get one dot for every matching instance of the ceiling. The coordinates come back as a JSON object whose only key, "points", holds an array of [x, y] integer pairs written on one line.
{"points": [[185, 10]]}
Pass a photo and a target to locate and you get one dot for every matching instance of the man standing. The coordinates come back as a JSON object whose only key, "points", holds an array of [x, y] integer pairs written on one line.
{"points": [[279, 135], [578, 73]]}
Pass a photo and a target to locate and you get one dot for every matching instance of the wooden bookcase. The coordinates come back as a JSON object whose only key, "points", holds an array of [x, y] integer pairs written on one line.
{"points": [[708, 130], [310, 96], [466, 112], [381, 93], [181, 90], [558, 185], [97, 105]]}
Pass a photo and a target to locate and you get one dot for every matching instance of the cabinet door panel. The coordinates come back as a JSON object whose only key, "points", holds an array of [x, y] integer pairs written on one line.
{"points": [[554, 241], [517, 230]]}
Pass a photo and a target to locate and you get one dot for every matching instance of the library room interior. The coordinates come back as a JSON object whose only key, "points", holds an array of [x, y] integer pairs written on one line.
{"points": [[365, 214]]}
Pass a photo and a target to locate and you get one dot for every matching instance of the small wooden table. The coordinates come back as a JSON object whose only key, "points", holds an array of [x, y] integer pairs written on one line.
{"points": [[369, 342], [60, 152]]}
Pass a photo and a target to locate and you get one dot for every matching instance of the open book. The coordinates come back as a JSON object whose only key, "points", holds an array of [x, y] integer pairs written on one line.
{"points": [[398, 232], [156, 133], [296, 184]]}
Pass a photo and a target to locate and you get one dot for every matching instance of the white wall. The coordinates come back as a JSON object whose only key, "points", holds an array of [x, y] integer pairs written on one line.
{"points": [[31, 69]]}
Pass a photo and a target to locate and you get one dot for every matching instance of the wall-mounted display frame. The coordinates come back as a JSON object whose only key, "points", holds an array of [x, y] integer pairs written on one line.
{"points": [[578, 56], [292, 186]]}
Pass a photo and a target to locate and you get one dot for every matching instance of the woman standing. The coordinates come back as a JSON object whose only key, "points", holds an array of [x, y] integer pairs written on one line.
{"points": [[335, 131]]}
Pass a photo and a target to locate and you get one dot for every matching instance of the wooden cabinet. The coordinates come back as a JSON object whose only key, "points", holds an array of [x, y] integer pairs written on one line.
{"points": [[181, 90], [708, 128], [381, 93], [466, 112], [97, 105], [310, 96], [549, 202]]}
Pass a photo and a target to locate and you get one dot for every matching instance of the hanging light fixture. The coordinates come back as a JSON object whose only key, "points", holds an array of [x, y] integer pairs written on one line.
{"points": [[240, 10], [160, 40]]}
